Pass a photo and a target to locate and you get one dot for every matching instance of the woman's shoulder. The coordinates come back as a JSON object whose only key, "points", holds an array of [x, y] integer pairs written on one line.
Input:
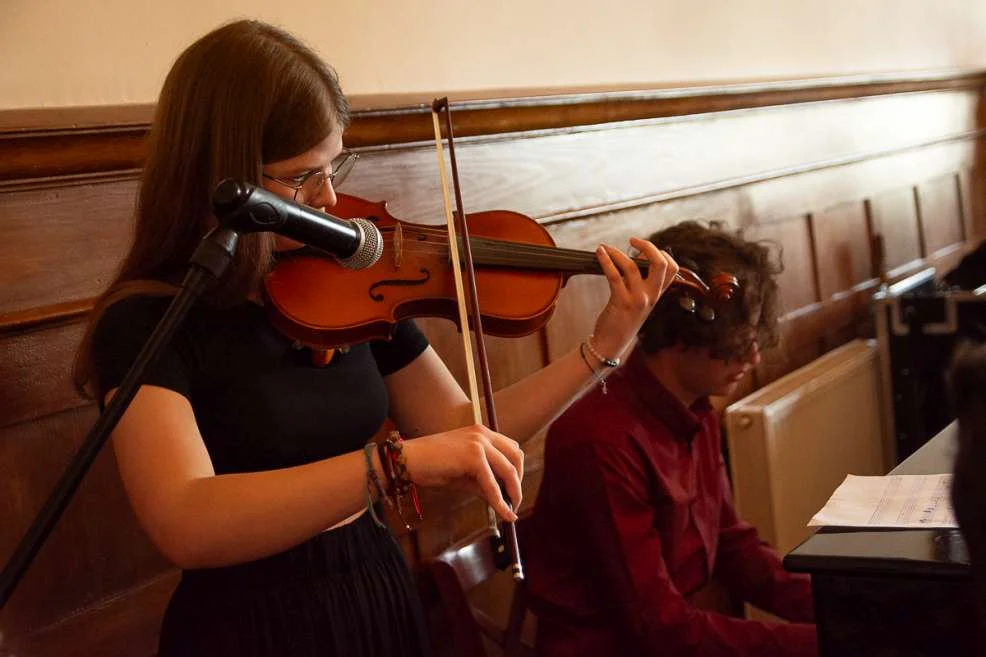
{"points": [[137, 316], [132, 312], [141, 308]]}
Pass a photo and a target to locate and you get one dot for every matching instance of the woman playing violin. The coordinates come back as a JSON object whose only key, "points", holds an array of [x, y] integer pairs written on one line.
{"points": [[243, 460]]}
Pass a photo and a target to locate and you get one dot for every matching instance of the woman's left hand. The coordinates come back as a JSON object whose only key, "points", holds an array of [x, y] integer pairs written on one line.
{"points": [[631, 295]]}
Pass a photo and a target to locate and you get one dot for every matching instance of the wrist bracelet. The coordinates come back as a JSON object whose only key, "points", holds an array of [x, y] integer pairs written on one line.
{"points": [[608, 362], [373, 480], [586, 360], [399, 481], [599, 377]]}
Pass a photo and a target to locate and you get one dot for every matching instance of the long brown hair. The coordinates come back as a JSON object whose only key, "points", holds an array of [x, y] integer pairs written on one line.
{"points": [[709, 250], [243, 95]]}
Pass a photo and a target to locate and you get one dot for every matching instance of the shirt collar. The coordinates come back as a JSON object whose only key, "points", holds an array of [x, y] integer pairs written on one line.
{"points": [[682, 422]]}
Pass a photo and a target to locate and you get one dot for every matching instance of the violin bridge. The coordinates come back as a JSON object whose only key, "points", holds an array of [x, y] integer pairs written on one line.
{"points": [[398, 245]]}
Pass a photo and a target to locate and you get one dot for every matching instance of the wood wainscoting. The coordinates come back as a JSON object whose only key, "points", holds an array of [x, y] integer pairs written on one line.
{"points": [[820, 167]]}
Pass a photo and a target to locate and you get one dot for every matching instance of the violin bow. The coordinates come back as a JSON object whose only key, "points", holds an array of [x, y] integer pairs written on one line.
{"points": [[505, 538]]}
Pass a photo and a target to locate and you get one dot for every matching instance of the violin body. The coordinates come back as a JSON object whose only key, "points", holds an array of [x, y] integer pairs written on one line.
{"points": [[313, 299]]}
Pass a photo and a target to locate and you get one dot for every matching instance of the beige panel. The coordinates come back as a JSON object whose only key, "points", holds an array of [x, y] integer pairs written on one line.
{"points": [[118, 51]]}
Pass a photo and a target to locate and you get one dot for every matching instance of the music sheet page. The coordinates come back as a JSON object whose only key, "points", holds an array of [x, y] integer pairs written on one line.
{"points": [[893, 501]]}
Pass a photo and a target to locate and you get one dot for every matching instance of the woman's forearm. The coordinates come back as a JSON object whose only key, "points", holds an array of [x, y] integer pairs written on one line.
{"points": [[531, 404], [234, 518]]}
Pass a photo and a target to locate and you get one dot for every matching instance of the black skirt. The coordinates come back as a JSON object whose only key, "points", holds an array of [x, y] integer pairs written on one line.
{"points": [[345, 592]]}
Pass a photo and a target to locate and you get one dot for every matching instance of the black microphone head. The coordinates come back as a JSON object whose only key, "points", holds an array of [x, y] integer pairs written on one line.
{"points": [[247, 208], [228, 196]]}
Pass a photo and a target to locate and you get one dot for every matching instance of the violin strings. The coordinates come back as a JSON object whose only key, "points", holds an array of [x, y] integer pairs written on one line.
{"points": [[529, 256], [525, 258], [507, 253], [494, 252], [491, 252], [517, 247]]}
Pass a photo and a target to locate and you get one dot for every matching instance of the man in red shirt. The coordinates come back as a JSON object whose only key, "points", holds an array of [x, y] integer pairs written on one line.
{"points": [[634, 514]]}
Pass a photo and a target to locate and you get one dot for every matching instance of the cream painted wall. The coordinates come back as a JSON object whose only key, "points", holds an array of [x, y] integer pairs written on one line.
{"points": [[106, 52]]}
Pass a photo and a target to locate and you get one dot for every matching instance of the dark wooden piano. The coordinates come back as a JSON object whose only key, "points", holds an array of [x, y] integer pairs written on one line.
{"points": [[890, 592]]}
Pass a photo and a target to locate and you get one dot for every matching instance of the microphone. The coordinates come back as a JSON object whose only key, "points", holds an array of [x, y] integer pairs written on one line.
{"points": [[246, 208]]}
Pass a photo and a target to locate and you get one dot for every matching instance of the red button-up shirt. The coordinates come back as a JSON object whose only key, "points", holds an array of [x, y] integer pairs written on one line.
{"points": [[635, 514]]}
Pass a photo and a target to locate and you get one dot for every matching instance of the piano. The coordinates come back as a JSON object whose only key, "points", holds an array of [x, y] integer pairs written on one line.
{"points": [[892, 592]]}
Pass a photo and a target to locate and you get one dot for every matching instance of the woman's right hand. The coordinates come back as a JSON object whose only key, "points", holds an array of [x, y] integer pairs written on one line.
{"points": [[469, 459]]}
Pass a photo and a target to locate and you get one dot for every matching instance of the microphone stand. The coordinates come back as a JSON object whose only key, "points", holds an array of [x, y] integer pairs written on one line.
{"points": [[207, 264]]}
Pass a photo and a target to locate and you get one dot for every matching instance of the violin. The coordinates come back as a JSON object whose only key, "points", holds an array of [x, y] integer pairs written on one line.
{"points": [[519, 273]]}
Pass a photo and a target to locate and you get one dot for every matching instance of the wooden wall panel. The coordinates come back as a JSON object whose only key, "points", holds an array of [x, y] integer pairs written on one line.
{"points": [[842, 248], [95, 551], [515, 358], [822, 187], [817, 179], [940, 204], [35, 373], [126, 624], [894, 218], [61, 244], [793, 239], [965, 199]]}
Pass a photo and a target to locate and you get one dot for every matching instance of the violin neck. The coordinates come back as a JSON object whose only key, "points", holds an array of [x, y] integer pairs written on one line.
{"points": [[532, 257]]}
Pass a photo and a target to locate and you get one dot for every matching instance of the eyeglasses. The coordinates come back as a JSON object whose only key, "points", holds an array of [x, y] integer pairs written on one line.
{"points": [[311, 182]]}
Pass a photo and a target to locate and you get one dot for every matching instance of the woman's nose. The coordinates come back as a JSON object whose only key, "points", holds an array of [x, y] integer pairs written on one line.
{"points": [[325, 197]]}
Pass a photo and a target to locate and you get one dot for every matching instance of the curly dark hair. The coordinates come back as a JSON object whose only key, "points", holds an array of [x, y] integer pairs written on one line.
{"points": [[750, 315]]}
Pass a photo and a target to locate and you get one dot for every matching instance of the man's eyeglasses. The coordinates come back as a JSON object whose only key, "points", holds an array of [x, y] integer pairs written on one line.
{"points": [[310, 182]]}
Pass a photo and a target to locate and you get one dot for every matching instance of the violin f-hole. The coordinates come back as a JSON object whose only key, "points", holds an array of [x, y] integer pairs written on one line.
{"points": [[376, 296]]}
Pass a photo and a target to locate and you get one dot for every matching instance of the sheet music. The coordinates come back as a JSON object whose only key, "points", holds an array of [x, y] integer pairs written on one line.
{"points": [[896, 501]]}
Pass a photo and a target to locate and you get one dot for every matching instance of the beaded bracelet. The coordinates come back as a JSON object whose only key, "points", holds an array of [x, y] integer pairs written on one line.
{"points": [[398, 463], [385, 465], [373, 481], [399, 481], [608, 362]]}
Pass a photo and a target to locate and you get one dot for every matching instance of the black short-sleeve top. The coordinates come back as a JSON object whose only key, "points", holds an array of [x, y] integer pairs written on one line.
{"points": [[259, 402]]}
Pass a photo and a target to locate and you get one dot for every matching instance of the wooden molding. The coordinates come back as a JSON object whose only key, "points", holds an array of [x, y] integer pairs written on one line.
{"points": [[45, 316], [78, 143]]}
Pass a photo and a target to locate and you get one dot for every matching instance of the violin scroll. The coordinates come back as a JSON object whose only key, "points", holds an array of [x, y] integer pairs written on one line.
{"points": [[723, 286]]}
